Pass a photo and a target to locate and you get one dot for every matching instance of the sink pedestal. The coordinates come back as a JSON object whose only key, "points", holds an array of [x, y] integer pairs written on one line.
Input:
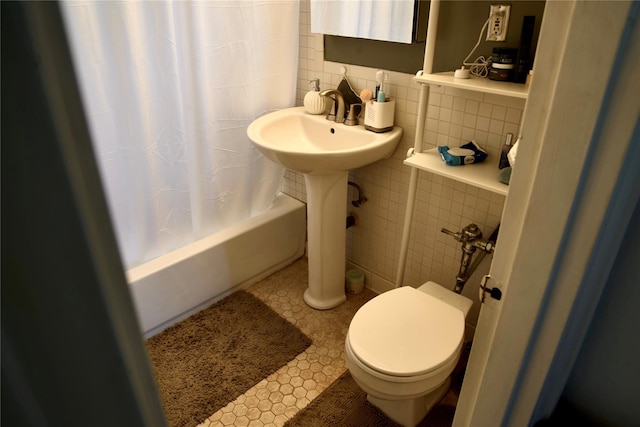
{"points": [[326, 231]]}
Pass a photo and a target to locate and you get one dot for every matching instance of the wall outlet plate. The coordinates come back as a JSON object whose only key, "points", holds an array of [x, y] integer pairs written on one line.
{"points": [[498, 22]]}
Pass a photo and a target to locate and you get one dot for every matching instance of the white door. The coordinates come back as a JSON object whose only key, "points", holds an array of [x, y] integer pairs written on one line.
{"points": [[556, 204]]}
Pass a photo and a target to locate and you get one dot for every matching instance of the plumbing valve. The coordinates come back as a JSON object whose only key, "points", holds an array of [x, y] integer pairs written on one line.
{"points": [[485, 246], [470, 238], [471, 232]]}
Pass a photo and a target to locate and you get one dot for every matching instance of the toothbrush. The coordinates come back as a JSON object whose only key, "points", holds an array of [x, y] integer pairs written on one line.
{"points": [[379, 79]]}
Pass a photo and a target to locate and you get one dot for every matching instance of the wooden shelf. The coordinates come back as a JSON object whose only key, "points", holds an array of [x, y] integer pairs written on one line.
{"points": [[482, 175], [478, 84]]}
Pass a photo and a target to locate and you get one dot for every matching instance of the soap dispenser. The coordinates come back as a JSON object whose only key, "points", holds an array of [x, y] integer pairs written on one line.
{"points": [[314, 103]]}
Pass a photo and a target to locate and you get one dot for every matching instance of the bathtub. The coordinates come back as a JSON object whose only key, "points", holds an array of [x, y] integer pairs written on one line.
{"points": [[172, 287]]}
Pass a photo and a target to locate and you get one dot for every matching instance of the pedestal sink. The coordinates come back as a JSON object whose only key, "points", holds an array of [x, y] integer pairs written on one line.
{"points": [[324, 152]]}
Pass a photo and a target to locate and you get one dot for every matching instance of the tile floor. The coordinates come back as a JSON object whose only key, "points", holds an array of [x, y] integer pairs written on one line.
{"points": [[281, 395]]}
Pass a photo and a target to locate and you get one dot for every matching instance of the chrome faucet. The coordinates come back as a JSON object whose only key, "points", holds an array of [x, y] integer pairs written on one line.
{"points": [[337, 110]]}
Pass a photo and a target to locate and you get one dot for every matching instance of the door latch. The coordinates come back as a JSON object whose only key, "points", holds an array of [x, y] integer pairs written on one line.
{"points": [[494, 293]]}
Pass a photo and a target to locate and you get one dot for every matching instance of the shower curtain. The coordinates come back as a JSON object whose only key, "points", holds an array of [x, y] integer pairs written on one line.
{"points": [[169, 89]]}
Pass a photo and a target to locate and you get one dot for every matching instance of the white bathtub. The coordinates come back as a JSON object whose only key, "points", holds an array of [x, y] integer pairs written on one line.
{"points": [[174, 286]]}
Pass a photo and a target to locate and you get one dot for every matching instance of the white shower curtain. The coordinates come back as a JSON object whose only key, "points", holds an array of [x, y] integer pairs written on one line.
{"points": [[169, 89]]}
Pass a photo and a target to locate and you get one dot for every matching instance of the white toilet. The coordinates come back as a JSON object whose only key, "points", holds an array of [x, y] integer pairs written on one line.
{"points": [[402, 346]]}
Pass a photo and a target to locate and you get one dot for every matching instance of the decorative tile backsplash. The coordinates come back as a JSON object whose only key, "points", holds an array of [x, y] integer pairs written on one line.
{"points": [[454, 117]]}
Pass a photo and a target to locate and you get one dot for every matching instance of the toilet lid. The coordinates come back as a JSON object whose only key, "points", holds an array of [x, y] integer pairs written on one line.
{"points": [[405, 332]]}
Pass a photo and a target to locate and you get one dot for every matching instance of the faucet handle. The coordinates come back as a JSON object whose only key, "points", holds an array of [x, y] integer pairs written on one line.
{"points": [[352, 117], [455, 235]]}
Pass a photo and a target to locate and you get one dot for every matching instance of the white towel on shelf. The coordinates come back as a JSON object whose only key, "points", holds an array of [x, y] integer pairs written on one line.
{"points": [[511, 155]]}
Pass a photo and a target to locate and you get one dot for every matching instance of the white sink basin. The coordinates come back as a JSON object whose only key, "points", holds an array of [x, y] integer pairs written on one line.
{"points": [[324, 152], [312, 144]]}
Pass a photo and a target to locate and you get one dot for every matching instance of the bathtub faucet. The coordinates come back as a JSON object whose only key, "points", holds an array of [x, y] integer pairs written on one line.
{"points": [[471, 239]]}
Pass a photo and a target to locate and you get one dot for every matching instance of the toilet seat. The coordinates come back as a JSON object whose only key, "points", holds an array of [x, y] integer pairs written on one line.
{"points": [[406, 333]]}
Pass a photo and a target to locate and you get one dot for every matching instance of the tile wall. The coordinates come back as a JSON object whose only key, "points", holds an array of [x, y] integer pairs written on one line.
{"points": [[454, 117]]}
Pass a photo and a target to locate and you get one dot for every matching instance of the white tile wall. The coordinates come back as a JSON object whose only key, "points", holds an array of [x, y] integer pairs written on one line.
{"points": [[454, 117]]}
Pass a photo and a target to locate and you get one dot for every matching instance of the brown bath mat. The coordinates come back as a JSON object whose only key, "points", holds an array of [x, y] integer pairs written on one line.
{"points": [[209, 359], [344, 404]]}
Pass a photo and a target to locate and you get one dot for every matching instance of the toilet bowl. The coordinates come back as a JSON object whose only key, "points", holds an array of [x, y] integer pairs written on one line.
{"points": [[402, 346]]}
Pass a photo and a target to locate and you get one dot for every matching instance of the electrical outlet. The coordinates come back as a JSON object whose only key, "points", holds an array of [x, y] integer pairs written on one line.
{"points": [[498, 22]]}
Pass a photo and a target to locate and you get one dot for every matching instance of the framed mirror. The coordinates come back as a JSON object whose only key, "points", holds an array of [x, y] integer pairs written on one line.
{"points": [[458, 27]]}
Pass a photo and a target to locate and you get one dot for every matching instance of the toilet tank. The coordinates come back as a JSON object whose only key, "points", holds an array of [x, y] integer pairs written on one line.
{"points": [[462, 303]]}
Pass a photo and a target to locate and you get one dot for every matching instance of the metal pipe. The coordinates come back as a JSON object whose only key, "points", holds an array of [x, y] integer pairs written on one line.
{"points": [[467, 271], [361, 198]]}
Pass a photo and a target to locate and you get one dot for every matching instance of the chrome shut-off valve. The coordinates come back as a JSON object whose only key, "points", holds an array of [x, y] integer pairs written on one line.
{"points": [[470, 237]]}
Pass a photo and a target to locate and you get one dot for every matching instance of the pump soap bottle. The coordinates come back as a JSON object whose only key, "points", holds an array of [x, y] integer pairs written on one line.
{"points": [[314, 103]]}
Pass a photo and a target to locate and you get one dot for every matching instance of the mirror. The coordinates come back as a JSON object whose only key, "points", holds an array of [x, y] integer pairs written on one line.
{"points": [[458, 27]]}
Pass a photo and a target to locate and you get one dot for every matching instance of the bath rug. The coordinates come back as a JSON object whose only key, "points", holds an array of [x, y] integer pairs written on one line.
{"points": [[344, 404], [208, 360]]}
